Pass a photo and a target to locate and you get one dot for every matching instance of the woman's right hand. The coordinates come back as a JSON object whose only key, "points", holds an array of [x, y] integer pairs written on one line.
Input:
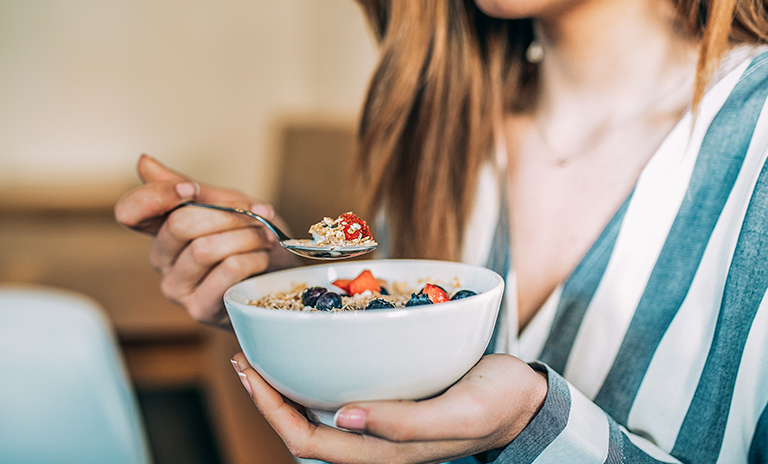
{"points": [[199, 252]]}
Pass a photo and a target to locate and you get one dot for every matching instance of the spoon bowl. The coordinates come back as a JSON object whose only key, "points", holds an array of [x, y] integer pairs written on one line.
{"points": [[304, 248]]}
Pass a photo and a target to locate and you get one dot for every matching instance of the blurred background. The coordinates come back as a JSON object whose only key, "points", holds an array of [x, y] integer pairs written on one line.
{"points": [[238, 93]]}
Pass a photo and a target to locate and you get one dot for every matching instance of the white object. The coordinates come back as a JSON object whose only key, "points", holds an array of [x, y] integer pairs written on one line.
{"points": [[64, 394], [324, 360]]}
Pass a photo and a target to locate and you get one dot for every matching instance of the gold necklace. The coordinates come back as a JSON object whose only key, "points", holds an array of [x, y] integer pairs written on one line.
{"points": [[559, 158]]}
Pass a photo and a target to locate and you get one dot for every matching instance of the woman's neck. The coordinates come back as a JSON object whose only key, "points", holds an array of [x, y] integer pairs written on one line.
{"points": [[612, 54]]}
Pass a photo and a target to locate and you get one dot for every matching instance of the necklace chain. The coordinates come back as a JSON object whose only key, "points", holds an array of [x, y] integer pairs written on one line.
{"points": [[559, 158]]}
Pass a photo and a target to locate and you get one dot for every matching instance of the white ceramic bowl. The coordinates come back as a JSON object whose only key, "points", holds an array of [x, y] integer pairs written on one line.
{"points": [[323, 360]]}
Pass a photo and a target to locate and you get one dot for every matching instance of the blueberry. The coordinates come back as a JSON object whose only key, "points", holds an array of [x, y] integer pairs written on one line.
{"points": [[383, 291], [309, 296], [463, 294], [328, 301], [418, 299], [379, 303]]}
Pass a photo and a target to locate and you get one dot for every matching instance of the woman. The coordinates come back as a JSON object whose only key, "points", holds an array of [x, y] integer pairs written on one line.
{"points": [[618, 148]]}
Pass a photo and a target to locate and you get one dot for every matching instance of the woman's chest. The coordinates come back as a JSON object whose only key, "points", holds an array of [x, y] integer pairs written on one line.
{"points": [[557, 210]]}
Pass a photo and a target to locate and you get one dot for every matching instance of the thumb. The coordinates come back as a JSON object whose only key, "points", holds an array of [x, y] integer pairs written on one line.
{"points": [[151, 170]]}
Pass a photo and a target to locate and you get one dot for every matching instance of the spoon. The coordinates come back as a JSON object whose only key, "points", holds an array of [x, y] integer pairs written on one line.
{"points": [[303, 248]]}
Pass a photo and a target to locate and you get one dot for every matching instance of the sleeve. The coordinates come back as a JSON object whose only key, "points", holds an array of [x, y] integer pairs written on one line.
{"points": [[758, 449], [570, 428]]}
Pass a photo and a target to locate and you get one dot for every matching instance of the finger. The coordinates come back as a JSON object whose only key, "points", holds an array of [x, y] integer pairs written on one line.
{"points": [[479, 406], [151, 170], [303, 438], [145, 207], [307, 440], [197, 283], [451, 415], [205, 303], [196, 260], [187, 224], [288, 422]]}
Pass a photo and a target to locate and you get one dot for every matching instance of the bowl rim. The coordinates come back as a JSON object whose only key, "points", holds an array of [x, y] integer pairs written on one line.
{"points": [[498, 286]]}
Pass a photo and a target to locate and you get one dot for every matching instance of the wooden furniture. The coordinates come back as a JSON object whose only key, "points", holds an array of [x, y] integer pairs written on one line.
{"points": [[315, 173]]}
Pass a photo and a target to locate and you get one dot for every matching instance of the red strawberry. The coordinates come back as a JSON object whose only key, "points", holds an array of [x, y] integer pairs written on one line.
{"points": [[342, 284], [354, 227], [435, 293], [364, 281]]}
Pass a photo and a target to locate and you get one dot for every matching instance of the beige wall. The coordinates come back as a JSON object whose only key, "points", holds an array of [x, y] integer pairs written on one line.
{"points": [[88, 85]]}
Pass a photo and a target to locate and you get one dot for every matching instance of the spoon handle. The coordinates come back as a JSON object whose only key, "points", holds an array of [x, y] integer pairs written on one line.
{"points": [[275, 230]]}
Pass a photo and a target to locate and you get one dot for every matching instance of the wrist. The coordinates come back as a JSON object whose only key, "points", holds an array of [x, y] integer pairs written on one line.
{"points": [[529, 405], [538, 394]]}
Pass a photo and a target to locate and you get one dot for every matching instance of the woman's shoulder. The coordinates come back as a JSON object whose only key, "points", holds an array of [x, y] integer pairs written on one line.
{"points": [[736, 97], [742, 73], [739, 55]]}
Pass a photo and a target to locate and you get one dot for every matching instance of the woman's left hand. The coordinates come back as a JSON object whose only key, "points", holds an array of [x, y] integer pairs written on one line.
{"points": [[484, 410]]}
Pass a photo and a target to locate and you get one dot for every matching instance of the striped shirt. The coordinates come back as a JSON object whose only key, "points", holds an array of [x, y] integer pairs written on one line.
{"points": [[656, 346]]}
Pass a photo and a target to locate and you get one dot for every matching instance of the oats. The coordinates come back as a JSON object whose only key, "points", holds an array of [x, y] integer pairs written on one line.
{"points": [[399, 294], [331, 232]]}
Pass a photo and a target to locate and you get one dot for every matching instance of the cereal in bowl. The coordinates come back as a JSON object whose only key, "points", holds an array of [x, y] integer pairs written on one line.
{"points": [[364, 292]]}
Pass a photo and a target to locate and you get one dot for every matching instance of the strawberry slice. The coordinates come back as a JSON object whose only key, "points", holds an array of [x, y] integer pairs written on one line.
{"points": [[364, 281], [435, 293], [342, 284], [354, 227]]}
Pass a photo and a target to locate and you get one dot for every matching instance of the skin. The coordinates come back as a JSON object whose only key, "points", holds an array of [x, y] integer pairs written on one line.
{"points": [[199, 253], [479, 412], [604, 62], [616, 78]]}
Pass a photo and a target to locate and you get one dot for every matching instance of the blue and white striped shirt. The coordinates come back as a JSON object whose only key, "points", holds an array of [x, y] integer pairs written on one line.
{"points": [[656, 346]]}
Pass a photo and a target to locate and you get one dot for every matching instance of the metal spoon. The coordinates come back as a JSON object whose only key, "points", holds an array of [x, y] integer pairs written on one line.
{"points": [[303, 248]]}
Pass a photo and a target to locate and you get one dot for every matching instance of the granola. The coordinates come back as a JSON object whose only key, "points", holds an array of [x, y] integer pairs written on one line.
{"points": [[364, 292], [292, 300], [346, 230]]}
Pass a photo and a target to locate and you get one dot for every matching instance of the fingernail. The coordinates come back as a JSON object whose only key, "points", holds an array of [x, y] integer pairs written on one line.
{"points": [[350, 418], [235, 365], [246, 384], [187, 190], [264, 210]]}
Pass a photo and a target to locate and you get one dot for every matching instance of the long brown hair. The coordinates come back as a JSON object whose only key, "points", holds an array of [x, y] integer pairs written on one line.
{"points": [[447, 74]]}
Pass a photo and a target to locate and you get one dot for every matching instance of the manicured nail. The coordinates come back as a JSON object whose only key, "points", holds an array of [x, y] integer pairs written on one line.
{"points": [[187, 190], [350, 419], [236, 366], [246, 384], [263, 210]]}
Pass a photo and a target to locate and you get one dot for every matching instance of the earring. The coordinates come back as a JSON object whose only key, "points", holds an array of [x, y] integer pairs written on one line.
{"points": [[535, 52]]}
